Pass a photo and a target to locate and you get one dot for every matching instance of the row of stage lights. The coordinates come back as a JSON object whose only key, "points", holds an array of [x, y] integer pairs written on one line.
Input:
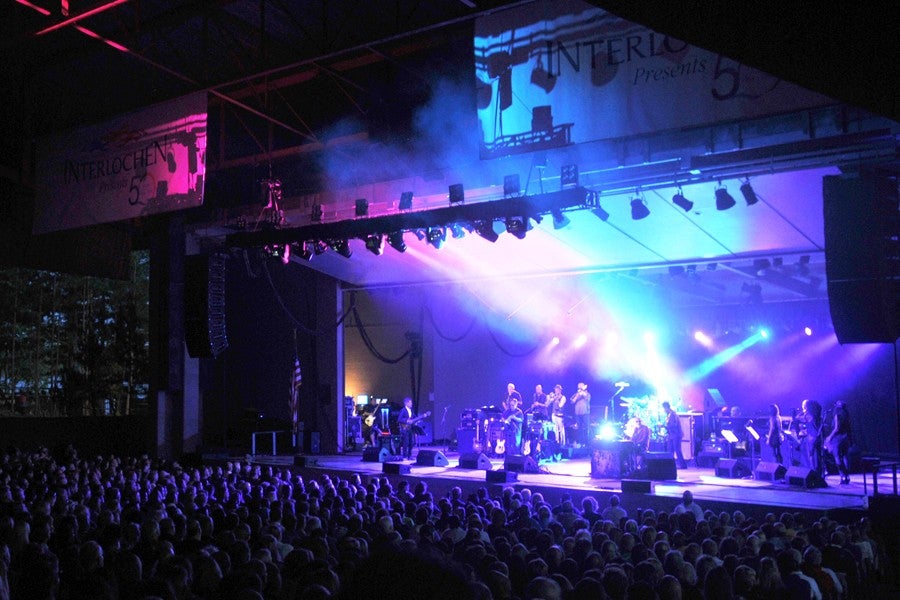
{"points": [[518, 226]]}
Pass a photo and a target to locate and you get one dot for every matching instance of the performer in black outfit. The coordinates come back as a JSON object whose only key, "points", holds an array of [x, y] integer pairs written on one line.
{"points": [[840, 439], [776, 434], [674, 435], [810, 419], [538, 408], [513, 418], [641, 440], [405, 421]]}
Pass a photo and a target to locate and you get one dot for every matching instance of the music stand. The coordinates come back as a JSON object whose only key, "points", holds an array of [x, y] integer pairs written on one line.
{"points": [[755, 436], [731, 439]]}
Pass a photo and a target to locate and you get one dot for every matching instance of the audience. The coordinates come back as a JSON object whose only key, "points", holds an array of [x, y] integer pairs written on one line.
{"points": [[103, 528]]}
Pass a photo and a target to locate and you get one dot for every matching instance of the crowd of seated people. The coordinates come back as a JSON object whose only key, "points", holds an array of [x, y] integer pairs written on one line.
{"points": [[74, 528]]}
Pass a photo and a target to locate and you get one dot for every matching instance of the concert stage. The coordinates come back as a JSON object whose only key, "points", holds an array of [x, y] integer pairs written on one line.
{"points": [[752, 496]]}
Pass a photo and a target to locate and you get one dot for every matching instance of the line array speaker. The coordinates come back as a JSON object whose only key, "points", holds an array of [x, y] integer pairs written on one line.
{"points": [[204, 305]]}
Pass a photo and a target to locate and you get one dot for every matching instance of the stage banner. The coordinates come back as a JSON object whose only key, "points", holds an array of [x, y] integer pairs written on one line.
{"points": [[147, 162], [561, 72]]}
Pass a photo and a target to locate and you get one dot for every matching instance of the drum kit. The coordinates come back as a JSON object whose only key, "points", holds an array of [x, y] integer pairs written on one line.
{"points": [[649, 410]]}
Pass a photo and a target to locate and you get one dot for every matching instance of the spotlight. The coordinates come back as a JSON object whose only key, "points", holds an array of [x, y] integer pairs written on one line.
{"points": [[342, 247], [396, 241], [316, 214], [518, 226], [320, 247], [362, 207], [639, 210], [375, 243], [568, 176], [305, 250], [559, 219], [749, 194], [486, 230], [600, 213], [457, 231], [681, 202], [724, 201], [511, 186], [436, 236], [457, 194], [406, 200], [420, 235], [807, 331]]}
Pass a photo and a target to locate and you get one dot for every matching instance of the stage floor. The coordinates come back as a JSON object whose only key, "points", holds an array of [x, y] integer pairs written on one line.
{"points": [[574, 475]]}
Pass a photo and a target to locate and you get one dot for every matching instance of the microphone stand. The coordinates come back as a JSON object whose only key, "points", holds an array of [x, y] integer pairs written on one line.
{"points": [[444, 430]]}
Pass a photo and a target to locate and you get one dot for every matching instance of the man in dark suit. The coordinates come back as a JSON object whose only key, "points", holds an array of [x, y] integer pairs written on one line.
{"points": [[674, 435], [406, 420]]}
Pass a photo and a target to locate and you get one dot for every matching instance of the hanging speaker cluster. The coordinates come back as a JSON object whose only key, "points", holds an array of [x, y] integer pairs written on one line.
{"points": [[204, 305]]}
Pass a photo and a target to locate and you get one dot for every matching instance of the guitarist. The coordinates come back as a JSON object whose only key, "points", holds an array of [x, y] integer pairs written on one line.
{"points": [[513, 418], [407, 422]]}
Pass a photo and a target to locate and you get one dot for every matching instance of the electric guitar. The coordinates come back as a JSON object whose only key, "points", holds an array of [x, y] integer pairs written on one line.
{"points": [[409, 423]]}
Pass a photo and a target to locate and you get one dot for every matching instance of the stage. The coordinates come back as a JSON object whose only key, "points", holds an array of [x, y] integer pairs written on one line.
{"points": [[573, 476]]}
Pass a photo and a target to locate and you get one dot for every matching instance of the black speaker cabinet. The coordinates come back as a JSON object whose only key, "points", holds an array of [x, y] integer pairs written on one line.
{"points": [[475, 460], [431, 458], [465, 439], [520, 464], [395, 468], [804, 477], [311, 442], [732, 468], [305, 461], [204, 305], [770, 471], [660, 466], [636, 486], [373, 454], [501, 476], [862, 258]]}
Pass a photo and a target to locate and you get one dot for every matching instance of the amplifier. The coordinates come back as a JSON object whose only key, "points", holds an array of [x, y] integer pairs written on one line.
{"points": [[718, 446]]}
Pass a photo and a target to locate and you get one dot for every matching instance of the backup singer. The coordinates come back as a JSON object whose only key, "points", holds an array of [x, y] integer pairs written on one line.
{"points": [[811, 422], [839, 440], [776, 434], [555, 403]]}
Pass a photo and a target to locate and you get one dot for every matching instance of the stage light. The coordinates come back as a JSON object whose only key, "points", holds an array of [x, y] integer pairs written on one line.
{"points": [[320, 247], [517, 226], [559, 219], [600, 213], [342, 247], [375, 243], [580, 341], [419, 233], [316, 214], [511, 186], [676, 270], [724, 201], [457, 231], [681, 202], [749, 193], [568, 176], [607, 431], [396, 241], [639, 210], [702, 338], [362, 207], [304, 250], [803, 265], [554, 341], [457, 194], [406, 200], [764, 333], [807, 331], [436, 236], [486, 230]]}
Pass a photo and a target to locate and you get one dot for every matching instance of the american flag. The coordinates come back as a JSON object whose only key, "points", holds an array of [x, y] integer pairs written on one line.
{"points": [[296, 381]]}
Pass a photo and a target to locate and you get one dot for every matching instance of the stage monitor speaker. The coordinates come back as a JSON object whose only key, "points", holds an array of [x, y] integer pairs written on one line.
{"points": [[520, 464], [204, 305], [305, 461], [770, 471], [395, 468], [707, 459], [804, 477], [431, 458], [637, 486], [475, 460], [465, 439], [500, 476], [660, 466], [732, 468], [373, 454], [862, 257]]}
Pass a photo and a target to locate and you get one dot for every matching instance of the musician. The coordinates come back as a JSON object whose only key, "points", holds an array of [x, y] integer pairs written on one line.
{"points": [[513, 419], [839, 440], [405, 420], [810, 433], [641, 440], [538, 408], [674, 435], [776, 434], [512, 392], [581, 400], [555, 403]]}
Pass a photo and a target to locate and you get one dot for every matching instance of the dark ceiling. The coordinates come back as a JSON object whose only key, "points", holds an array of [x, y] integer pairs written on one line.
{"points": [[105, 59]]}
